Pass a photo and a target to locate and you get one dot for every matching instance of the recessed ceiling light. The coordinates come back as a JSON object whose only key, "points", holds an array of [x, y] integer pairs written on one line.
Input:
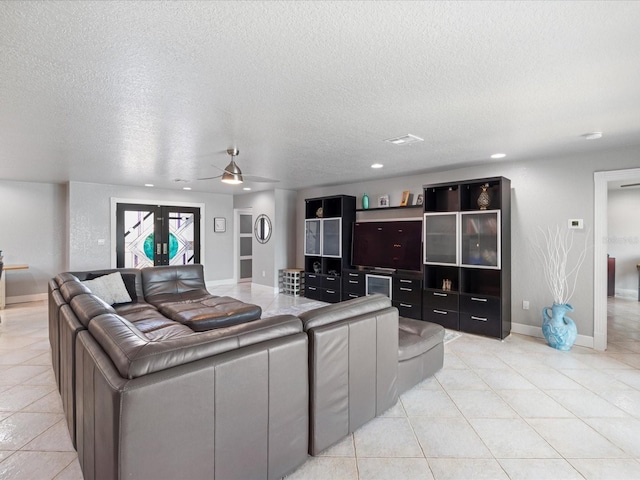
{"points": [[148, 184], [186, 188], [498, 155], [377, 165], [592, 135], [405, 139], [246, 188]]}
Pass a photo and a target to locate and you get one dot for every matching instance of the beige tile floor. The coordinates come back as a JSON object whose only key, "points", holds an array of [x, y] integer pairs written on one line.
{"points": [[497, 410]]}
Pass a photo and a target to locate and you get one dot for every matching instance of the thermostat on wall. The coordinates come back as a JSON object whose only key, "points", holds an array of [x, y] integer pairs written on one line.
{"points": [[576, 223]]}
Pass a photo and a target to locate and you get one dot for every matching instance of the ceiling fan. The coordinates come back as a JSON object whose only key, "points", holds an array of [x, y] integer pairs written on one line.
{"points": [[232, 174]]}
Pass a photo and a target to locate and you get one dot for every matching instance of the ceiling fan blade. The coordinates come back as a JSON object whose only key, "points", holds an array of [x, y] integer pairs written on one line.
{"points": [[254, 178], [209, 178]]}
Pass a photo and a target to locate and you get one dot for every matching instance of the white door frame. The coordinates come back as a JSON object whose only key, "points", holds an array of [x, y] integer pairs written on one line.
{"points": [[600, 200], [236, 240]]}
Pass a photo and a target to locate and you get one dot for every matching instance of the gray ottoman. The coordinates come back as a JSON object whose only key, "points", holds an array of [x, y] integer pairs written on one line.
{"points": [[420, 351]]}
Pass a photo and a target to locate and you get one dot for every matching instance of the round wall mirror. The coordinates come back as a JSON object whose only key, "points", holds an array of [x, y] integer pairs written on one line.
{"points": [[263, 228]]}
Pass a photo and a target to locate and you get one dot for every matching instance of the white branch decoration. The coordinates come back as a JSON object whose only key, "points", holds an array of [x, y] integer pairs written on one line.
{"points": [[554, 255]]}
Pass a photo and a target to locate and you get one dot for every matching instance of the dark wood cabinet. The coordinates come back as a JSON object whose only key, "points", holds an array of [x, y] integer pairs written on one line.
{"points": [[467, 256], [327, 245]]}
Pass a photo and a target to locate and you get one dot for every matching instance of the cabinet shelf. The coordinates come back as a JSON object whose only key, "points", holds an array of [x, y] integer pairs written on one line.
{"points": [[408, 207]]}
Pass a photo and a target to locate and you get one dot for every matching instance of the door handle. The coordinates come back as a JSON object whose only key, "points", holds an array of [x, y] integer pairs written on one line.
{"points": [[164, 248], [158, 249]]}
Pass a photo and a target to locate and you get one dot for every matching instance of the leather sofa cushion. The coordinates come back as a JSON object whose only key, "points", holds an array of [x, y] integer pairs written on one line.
{"points": [[191, 296], [65, 277], [135, 354], [86, 306], [126, 309], [417, 337], [215, 312], [172, 279], [343, 310], [70, 289]]}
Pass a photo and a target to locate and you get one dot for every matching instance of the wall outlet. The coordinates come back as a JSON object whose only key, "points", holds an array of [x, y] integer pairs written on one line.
{"points": [[525, 304], [101, 241], [264, 274]]}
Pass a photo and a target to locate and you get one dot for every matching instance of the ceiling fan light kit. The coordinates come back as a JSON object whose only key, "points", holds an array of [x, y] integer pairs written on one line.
{"points": [[232, 173]]}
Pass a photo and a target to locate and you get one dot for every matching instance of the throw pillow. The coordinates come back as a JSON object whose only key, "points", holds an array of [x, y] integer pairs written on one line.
{"points": [[129, 280], [109, 288]]}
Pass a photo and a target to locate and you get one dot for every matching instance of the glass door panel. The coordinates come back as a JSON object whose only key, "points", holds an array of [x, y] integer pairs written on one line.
{"points": [[312, 238], [441, 238], [182, 232], [136, 245], [245, 246], [331, 237], [481, 239]]}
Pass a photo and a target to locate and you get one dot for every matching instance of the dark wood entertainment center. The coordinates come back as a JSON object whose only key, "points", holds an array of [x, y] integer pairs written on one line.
{"points": [[465, 283]]}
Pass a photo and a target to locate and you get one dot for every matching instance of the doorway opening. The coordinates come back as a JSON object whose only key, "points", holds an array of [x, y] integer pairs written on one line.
{"points": [[600, 231]]}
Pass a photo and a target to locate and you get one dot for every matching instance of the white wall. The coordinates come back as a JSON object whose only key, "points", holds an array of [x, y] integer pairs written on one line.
{"points": [[545, 191], [32, 231], [624, 238], [90, 219]]}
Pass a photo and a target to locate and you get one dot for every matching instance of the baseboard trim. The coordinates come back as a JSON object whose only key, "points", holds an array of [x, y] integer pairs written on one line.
{"points": [[36, 297], [625, 293], [530, 330], [224, 281]]}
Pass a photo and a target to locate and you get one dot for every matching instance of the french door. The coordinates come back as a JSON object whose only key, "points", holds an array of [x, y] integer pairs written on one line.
{"points": [[149, 235]]}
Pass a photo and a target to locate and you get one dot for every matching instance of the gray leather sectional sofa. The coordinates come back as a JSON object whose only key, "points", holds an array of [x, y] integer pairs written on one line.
{"points": [[154, 389]]}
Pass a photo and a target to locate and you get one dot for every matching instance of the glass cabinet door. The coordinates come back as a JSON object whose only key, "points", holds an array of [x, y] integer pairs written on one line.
{"points": [[331, 237], [312, 237], [481, 239], [441, 238]]}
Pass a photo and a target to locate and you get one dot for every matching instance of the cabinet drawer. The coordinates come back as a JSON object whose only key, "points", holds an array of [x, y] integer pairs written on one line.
{"points": [[354, 283], [480, 305], [331, 281], [409, 292], [313, 292], [350, 295], [408, 310], [481, 325], [313, 279], [331, 295], [445, 318], [441, 300]]}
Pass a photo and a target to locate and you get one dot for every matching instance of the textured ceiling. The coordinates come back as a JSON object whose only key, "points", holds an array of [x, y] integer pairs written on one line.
{"points": [[140, 92]]}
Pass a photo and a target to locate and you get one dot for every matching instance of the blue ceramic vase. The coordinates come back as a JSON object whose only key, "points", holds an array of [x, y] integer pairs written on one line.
{"points": [[559, 330]]}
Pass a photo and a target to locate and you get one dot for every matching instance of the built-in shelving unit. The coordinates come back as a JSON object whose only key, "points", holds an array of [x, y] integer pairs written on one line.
{"points": [[327, 245], [467, 256]]}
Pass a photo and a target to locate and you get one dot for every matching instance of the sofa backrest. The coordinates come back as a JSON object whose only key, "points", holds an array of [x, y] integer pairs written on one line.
{"points": [[87, 306], [135, 355], [72, 288], [343, 310], [172, 279]]}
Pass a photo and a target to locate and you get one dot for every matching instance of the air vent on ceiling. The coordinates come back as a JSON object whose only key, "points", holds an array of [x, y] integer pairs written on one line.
{"points": [[407, 139]]}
